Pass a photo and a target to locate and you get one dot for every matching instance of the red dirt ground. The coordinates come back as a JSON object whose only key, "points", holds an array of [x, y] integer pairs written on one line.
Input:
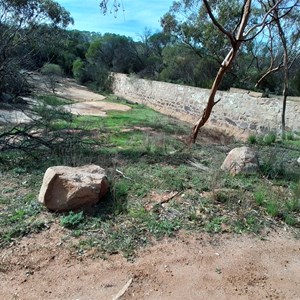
{"points": [[43, 266]]}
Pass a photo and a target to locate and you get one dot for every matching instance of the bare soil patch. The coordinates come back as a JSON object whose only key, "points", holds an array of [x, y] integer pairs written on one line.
{"points": [[66, 88], [87, 102], [44, 266], [69, 89], [95, 108]]}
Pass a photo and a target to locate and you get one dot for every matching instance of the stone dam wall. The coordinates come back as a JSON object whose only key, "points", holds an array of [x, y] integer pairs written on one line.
{"points": [[239, 112]]}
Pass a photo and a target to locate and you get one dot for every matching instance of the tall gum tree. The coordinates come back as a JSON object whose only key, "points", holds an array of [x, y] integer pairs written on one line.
{"points": [[284, 32], [237, 37], [249, 21], [19, 21]]}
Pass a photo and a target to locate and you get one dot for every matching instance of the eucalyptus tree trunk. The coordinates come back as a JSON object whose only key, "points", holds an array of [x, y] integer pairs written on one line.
{"points": [[285, 95], [286, 71], [236, 42]]}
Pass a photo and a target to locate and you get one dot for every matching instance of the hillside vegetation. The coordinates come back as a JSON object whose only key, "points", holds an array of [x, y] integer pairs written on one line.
{"points": [[159, 186]]}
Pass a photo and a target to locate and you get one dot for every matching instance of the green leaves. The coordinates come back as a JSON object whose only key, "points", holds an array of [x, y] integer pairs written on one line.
{"points": [[72, 220]]}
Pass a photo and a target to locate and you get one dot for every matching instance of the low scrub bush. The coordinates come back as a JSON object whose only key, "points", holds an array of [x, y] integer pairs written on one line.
{"points": [[72, 220]]}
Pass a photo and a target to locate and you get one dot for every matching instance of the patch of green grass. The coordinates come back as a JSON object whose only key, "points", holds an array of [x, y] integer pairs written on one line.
{"points": [[269, 138], [215, 224], [272, 208], [143, 117], [293, 205], [296, 190], [251, 222], [72, 220], [277, 162], [20, 229], [222, 196], [161, 228], [138, 115], [19, 214], [119, 196], [260, 196], [273, 170], [127, 140], [291, 220], [292, 144], [77, 233], [252, 139], [277, 204], [289, 136], [53, 100]]}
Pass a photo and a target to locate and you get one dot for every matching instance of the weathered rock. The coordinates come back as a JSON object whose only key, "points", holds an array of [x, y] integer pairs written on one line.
{"points": [[66, 188], [241, 160]]}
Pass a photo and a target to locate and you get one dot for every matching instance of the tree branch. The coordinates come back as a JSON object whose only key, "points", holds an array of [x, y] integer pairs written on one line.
{"points": [[217, 24], [262, 24], [270, 71]]}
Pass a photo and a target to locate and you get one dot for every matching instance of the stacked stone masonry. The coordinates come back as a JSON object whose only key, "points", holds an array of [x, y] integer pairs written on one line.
{"points": [[239, 112]]}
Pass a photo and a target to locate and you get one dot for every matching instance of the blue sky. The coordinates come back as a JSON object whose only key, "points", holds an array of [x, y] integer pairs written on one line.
{"points": [[138, 15]]}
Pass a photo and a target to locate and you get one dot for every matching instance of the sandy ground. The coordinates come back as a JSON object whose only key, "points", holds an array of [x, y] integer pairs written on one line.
{"points": [[93, 108], [69, 89], [43, 266], [87, 102]]}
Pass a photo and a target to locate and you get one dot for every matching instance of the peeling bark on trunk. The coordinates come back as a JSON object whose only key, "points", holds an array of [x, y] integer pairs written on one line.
{"points": [[286, 73], [283, 112], [211, 99], [236, 42]]}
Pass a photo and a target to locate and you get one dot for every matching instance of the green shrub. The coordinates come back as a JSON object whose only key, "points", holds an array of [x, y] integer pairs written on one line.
{"points": [[272, 208], [288, 136], [79, 72], [120, 193], [52, 100], [259, 196], [252, 139], [296, 190], [52, 73], [72, 220], [269, 138], [52, 69], [290, 220]]}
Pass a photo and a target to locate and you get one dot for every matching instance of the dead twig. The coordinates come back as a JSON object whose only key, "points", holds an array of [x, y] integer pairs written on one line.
{"points": [[198, 165], [121, 173], [164, 199], [123, 290]]}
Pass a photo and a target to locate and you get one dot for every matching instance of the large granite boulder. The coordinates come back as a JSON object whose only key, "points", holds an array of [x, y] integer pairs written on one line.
{"points": [[67, 188], [241, 160]]}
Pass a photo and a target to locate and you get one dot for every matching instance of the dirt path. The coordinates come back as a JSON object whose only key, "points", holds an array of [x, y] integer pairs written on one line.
{"points": [[93, 108], [69, 89], [42, 266], [87, 102]]}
